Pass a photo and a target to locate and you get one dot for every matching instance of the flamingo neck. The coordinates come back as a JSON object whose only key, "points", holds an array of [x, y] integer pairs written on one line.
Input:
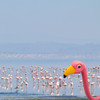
{"points": [[86, 86]]}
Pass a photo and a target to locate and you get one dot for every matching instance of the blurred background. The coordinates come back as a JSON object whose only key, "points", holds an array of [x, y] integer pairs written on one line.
{"points": [[50, 29]]}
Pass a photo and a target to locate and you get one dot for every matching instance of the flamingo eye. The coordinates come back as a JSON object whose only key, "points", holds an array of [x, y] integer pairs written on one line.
{"points": [[79, 66]]}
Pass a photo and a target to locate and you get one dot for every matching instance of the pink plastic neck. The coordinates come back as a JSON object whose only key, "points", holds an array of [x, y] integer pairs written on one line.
{"points": [[86, 86]]}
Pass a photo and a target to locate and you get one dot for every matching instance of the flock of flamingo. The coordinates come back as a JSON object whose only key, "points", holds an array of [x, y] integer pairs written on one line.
{"points": [[48, 81]]}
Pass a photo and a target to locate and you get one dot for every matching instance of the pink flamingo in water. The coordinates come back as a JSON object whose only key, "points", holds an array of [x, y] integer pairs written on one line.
{"points": [[77, 67]]}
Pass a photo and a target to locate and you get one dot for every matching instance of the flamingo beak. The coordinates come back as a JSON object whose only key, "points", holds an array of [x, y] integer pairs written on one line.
{"points": [[68, 71]]}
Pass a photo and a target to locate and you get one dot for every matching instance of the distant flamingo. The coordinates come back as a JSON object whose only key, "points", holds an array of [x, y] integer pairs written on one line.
{"points": [[64, 86], [98, 81], [77, 67]]}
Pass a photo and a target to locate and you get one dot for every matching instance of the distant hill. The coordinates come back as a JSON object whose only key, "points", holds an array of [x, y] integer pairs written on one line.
{"points": [[51, 48]]}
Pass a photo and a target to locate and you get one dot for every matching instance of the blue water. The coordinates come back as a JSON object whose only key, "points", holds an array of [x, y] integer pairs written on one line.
{"points": [[17, 63], [47, 62]]}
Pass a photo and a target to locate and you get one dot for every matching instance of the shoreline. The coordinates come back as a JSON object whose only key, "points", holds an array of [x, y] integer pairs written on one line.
{"points": [[11, 97]]}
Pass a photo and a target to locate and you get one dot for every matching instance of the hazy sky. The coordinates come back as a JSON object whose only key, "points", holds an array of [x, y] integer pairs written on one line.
{"points": [[65, 21]]}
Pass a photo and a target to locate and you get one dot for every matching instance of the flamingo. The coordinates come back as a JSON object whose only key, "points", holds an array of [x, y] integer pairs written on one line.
{"points": [[79, 67]]}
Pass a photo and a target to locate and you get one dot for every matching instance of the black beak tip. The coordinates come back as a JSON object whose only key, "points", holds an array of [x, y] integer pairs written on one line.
{"points": [[64, 76]]}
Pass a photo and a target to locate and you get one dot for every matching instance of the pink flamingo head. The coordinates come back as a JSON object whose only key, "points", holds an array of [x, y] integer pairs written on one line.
{"points": [[75, 67]]}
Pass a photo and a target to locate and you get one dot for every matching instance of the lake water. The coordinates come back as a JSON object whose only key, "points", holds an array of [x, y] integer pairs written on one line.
{"points": [[46, 63]]}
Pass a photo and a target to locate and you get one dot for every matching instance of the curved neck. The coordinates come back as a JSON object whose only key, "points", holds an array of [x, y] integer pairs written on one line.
{"points": [[86, 86]]}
